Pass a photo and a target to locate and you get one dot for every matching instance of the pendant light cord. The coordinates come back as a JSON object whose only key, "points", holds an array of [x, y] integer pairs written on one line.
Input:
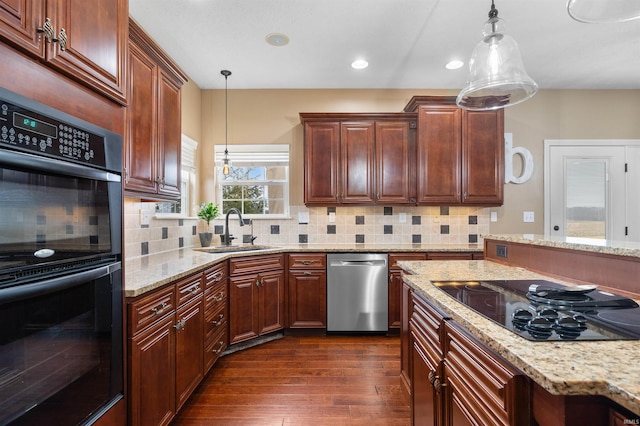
{"points": [[226, 74]]}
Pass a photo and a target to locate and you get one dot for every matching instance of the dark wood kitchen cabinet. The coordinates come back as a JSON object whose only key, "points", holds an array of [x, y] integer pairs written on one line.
{"points": [[216, 317], [307, 290], [152, 142], [395, 285], [166, 360], [358, 159], [456, 379], [460, 154], [256, 296], [87, 40]]}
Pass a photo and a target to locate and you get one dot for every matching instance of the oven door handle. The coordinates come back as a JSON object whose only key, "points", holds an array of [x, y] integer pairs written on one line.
{"points": [[25, 291]]}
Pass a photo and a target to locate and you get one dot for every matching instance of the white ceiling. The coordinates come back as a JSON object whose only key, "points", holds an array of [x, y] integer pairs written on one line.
{"points": [[406, 42]]}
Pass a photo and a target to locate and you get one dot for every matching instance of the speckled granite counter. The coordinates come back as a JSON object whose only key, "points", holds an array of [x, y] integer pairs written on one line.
{"points": [[143, 274], [607, 368], [617, 248]]}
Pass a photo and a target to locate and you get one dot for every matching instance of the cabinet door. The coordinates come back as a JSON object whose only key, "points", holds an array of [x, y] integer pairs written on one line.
{"points": [[243, 308], [169, 136], [140, 147], [439, 155], [395, 298], [96, 42], [321, 150], [271, 302], [19, 21], [394, 155], [405, 338], [189, 352], [152, 375], [307, 299], [357, 156], [483, 157]]}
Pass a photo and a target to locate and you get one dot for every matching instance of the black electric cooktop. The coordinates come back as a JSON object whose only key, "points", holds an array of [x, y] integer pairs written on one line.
{"points": [[543, 310]]}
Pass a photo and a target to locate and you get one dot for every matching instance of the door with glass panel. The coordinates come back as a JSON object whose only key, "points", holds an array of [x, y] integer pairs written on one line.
{"points": [[585, 192]]}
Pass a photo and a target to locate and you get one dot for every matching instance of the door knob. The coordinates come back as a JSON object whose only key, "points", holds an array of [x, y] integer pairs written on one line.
{"points": [[556, 228]]}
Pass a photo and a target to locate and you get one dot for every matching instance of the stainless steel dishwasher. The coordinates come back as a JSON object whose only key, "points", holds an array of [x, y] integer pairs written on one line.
{"points": [[357, 292]]}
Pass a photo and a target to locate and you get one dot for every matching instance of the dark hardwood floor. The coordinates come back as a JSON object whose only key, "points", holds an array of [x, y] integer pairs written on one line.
{"points": [[319, 380]]}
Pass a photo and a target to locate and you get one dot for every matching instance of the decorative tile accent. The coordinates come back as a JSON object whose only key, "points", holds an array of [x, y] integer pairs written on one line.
{"points": [[331, 229], [416, 239], [93, 239], [69, 211], [165, 232], [69, 229], [388, 211], [416, 220], [331, 210], [194, 230], [180, 242], [144, 248], [473, 220], [144, 226], [41, 239], [93, 220], [388, 229], [180, 223], [359, 220], [41, 220], [218, 229], [246, 238], [275, 229], [359, 239], [303, 238], [444, 229], [444, 210], [473, 238]]}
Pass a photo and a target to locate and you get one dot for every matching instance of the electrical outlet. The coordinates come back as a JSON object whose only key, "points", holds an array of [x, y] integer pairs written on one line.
{"points": [[332, 217], [528, 217], [402, 217], [145, 217], [501, 251], [494, 216], [303, 217]]}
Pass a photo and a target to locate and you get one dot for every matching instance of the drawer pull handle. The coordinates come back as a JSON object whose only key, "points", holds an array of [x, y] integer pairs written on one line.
{"points": [[217, 277], [159, 310], [219, 297], [307, 273], [180, 325], [220, 346], [307, 262], [219, 321], [432, 377], [195, 290], [437, 385]]}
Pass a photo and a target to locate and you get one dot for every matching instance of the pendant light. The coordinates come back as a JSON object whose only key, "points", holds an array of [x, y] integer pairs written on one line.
{"points": [[225, 160], [497, 78], [601, 12]]}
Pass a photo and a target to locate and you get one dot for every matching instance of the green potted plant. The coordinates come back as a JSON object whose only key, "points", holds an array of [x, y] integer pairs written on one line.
{"points": [[207, 212]]}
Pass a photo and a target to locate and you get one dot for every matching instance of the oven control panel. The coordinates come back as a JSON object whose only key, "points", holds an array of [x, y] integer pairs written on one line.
{"points": [[35, 132]]}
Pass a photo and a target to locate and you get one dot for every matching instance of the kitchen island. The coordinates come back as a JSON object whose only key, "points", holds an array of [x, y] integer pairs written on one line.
{"points": [[606, 369]]}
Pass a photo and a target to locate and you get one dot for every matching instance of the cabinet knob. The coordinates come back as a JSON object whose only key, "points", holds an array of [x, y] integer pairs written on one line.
{"points": [[219, 349], [437, 385], [219, 321], [47, 30], [194, 290], [160, 309], [62, 39], [219, 297]]}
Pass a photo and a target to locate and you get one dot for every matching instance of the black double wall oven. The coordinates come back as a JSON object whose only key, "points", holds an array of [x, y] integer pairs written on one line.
{"points": [[61, 331]]}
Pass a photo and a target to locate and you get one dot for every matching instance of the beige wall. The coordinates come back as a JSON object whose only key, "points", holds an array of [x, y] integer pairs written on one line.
{"points": [[271, 116], [192, 110]]}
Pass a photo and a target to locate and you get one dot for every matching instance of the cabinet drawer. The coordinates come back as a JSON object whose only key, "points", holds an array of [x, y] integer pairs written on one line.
{"points": [[215, 275], [215, 320], [189, 288], [215, 296], [395, 258], [427, 325], [450, 256], [478, 378], [255, 264], [151, 308], [308, 261], [213, 348]]}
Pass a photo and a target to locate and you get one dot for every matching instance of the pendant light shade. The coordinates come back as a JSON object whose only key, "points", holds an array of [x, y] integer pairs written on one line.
{"points": [[497, 77], [225, 160], [601, 12]]}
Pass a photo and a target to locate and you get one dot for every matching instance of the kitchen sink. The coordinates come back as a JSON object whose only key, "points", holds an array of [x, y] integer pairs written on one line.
{"points": [[228, 249]]}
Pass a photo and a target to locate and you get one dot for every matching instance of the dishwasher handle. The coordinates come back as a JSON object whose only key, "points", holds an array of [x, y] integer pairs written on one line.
{"points": [[380, 262]]}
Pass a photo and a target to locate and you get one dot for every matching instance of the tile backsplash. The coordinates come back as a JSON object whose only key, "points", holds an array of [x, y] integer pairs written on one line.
{"points": [[368, 225]]}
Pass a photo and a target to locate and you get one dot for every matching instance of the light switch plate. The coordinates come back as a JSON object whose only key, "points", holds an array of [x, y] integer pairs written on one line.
{"points": [[303, 217], [494, 216], [145, 217], [332, 217], [402, 217]]}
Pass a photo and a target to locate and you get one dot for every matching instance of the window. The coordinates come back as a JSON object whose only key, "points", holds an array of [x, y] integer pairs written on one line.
{"points": [[258, 181], [187, 206]]}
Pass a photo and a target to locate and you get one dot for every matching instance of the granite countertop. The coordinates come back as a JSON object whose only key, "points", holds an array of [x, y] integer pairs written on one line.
{"points": [[613, 247], [607, 368], [146, 273]]}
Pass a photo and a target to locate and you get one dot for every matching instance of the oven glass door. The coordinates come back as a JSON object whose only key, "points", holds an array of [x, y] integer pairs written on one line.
{"points": [[52, 211], [61, 348]]}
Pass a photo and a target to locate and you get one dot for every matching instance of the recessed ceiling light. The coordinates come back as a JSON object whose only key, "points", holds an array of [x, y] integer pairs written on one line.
{"points": [[277, 39], [359, 64], [454, 65]]}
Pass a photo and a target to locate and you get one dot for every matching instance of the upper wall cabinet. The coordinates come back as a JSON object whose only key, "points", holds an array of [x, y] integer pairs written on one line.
{"points": [[358, 159], [460, 154], [85, 40], [153, 129]]}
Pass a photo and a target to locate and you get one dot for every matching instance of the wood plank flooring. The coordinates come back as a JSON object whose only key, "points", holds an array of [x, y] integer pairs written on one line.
{"points": [[316, 381]]}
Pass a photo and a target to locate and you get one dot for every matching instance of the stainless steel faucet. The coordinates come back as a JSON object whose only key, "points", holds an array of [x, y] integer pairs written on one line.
{"points": [[227, 237]]}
